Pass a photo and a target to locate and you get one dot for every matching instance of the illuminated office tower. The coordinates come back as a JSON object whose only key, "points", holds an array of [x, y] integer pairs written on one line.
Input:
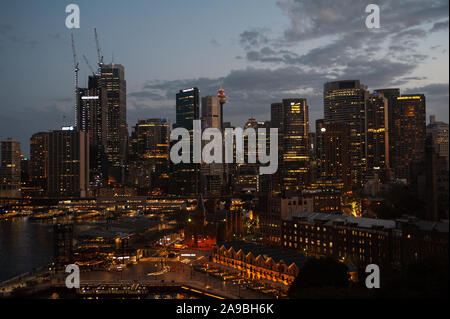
{"points": [[211, 112], [212, 174], [336, 166], [186, 175], [92, 119], [377, 137], [10, 168], [68, 163], [149, 153], [187, 107], [276, 121], [38, 162], [344, 101], [409, 128], [391, 95], [112, 78], [294, 144], [247, 178], [319, 150], [439, 135]]}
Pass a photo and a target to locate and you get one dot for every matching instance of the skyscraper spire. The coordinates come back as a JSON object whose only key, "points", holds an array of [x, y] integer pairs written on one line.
{"points": [[222, 99]]}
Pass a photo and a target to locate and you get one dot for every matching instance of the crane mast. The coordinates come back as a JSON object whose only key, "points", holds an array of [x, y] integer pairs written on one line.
{"points": [[76, 69], [99, 55], [89, 66]]}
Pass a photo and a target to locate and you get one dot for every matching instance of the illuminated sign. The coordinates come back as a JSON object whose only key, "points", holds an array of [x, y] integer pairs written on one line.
{"points": [[67, 128], [187, 90], [89, 97]]}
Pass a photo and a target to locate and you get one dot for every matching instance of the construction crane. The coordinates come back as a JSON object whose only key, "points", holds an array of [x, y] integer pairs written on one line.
{"points": [[89, 66], [76, 69], [99, 55]]}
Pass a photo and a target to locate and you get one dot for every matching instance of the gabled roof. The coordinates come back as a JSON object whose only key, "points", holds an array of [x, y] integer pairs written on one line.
{"points": [[276, 254]]}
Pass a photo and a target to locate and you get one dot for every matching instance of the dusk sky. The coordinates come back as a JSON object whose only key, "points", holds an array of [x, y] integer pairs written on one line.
{"points": [[263, 50]]}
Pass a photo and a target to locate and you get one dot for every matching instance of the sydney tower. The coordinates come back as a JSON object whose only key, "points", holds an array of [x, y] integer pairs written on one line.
{"points": [[222, 100]]}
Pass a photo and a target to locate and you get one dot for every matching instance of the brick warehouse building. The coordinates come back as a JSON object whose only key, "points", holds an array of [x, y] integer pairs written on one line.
{"points": [[364, 240], [259, 262]]}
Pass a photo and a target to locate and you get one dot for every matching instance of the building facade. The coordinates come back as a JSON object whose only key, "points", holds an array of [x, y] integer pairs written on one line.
{"points": [[409, 129], [10, 168], [68, 163], [344, 102], [112, 78], [377, 137]]}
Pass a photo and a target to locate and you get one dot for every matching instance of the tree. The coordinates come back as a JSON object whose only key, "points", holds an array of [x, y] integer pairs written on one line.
{"points": [[422, 279], [400, 201], [318, 274]]}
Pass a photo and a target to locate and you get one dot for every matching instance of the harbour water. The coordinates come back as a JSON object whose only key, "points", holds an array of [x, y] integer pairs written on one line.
{"points": [[24, 246]]}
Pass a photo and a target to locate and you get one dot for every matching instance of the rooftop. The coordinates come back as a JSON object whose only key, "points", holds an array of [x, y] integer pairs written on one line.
{"points": [[275, 253]]}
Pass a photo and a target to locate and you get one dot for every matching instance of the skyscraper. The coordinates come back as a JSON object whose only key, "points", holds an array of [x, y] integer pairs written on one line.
{"points": [[10, 168], [68, 163], [186, 175], [336, 165], [294, 144], [212, 174], [92, 119], [391, 94], [377, 137], [247, 177], [149, 153], [344, 101], [112, 78], [320, 150], [439, 134], [409, 128], [187, 107], [38, 162], [211, 112]]}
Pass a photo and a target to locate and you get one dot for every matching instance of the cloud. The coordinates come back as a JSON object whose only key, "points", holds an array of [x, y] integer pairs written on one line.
{"points": [[254, 37], [7, 35], [214, 42], [319, 18], [439, 26], [437, 98]]}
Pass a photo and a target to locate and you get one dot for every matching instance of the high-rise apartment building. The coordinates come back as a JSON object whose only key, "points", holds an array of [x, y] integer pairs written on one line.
{"points": [[38, 162], [92, 119], [10, 168], [68, 163]]}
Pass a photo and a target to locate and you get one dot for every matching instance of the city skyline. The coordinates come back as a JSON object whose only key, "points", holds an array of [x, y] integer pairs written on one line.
{"points": [[257, 149], [261, 65]]}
